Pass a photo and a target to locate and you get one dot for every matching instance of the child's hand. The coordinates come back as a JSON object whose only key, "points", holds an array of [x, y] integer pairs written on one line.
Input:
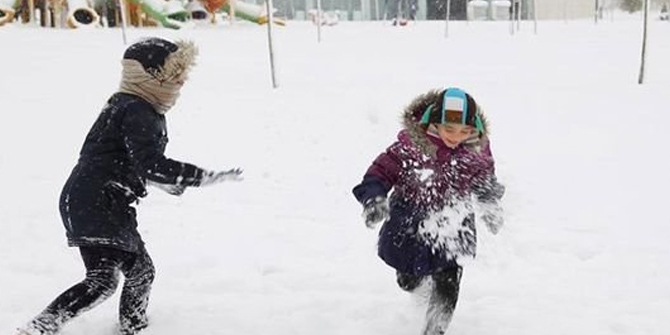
{"points": [[492, 215], [211, 177], [175, 190], [375, 210]]}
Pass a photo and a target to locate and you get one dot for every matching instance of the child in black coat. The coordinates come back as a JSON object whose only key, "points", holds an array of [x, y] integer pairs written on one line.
{"points": [[122, 154]]}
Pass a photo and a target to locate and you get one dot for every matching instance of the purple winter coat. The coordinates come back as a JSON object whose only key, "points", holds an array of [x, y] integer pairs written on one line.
{"points": [[434, 187]]}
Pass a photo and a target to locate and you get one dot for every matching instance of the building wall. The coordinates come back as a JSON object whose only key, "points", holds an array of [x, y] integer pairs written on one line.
{"points": [[565, 9], [433, 9]]}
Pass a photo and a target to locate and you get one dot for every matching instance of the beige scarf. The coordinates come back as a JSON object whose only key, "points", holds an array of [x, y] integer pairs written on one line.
{"points": [[161, 95], [160, 88]]}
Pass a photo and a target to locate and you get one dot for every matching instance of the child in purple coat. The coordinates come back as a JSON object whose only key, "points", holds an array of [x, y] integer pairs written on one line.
{"points": [[440, 173]]}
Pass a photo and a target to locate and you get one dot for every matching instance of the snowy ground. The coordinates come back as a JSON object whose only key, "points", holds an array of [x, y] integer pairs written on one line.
{"points": [[580, 146]]}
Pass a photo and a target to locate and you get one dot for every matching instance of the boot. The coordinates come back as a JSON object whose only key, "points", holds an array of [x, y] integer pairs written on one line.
{"points": [[442, 302], [408, 282]]}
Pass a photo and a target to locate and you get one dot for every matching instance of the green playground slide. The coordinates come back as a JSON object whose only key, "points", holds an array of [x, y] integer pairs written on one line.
{"points": [[250, 12], [170, 14]]}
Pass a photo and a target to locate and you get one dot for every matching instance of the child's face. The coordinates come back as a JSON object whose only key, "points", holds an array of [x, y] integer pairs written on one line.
{"points": [[453, 134]]}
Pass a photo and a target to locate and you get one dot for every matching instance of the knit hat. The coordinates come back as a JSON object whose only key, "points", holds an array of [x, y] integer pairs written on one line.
{"points": [[162, 59], [453, 106]]}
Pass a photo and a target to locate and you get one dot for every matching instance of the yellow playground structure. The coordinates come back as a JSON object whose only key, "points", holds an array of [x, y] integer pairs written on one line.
{"points": [[173, 14]]}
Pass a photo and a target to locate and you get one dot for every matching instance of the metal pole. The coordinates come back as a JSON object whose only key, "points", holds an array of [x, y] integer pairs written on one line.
{"points": [[268, 7], [318, 21], [467, 18], [512, 15], [446, 19], [640, 79], [595, 12], [535, 16], [122, 8], [518, 15]]}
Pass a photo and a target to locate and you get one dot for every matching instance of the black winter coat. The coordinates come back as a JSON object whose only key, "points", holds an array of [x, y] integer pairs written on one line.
{"points": [[124, 148]]}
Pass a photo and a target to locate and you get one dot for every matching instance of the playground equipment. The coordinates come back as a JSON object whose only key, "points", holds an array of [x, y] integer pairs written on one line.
{"points": [[251, 12], [243, 10], [7, 10], [81, 14], [198, 11], [172, 14], [169, 14]]}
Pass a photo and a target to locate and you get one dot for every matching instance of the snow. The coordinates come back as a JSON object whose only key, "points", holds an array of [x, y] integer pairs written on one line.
{"points": [[579, 144]]}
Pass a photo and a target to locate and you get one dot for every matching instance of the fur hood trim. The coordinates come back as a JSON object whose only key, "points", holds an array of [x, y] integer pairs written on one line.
{"points": [[178, 62], [418, 133]]}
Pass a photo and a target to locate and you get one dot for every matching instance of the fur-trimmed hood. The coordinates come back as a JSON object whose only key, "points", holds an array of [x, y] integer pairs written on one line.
{"points": [[419, 134], [162, 59], [178, 62]]}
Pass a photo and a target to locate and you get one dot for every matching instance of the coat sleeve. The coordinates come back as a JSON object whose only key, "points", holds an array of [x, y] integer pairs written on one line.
{"points": [[142, 136], [381, 176]]}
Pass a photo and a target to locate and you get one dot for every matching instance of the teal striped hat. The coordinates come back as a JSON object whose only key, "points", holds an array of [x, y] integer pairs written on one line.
{"points": [[453, 106]]}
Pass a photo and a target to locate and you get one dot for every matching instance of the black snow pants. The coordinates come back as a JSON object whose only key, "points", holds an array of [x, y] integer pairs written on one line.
{"points": [[443, 296], [103, 265]]}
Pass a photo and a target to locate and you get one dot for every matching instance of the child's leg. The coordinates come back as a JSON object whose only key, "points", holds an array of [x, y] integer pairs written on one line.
{"points": [[102, 278], [408, 282], [139, 275], [443, 298]]}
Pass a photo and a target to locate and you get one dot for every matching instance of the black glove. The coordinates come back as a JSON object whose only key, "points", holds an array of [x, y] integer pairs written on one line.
{"points": [[375, 210], [212, 177]]}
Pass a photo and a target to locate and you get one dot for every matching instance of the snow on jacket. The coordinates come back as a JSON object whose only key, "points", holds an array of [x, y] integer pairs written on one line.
{"points": [[431, 223], [124, 148]]}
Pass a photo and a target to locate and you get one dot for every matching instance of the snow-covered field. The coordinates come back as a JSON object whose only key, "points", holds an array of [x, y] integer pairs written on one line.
{"points": [[580, 145]]}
